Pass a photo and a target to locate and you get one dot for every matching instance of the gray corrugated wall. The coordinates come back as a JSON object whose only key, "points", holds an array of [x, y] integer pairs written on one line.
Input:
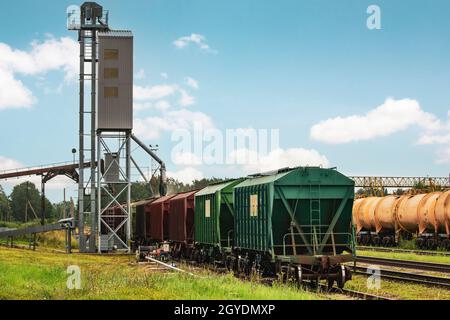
{"points": [[116, 113]]}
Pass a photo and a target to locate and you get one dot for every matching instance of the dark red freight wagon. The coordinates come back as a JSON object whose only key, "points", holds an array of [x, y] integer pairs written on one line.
{"points": [[140, 221], [181, 223], [158, 224]]}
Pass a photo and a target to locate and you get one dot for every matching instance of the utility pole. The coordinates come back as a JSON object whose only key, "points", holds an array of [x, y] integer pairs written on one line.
{"points": [[26, 205], [64, 205]]}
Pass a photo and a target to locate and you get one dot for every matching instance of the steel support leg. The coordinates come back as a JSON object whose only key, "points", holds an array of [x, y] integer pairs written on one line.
{"points": [[82, 239], [93, 237], [128, 173], [42, 202]]}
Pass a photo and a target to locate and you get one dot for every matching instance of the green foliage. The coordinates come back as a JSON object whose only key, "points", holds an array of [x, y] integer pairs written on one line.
{"points": [[5, 206], [60, 208], [372, 192], [409, 244], [27, 193], [174, 186], [20, 196], [423, 187]]}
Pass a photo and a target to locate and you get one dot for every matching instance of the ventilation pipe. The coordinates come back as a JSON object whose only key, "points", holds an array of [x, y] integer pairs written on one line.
{"points": [[162, 175]]}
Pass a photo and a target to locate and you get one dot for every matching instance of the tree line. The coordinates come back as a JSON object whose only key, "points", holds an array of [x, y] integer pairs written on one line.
{"points": [[24, 202]]}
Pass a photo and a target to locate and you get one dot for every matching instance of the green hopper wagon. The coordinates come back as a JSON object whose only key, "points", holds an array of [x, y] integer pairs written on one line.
{"points": [[295, 222], [214, 221]]}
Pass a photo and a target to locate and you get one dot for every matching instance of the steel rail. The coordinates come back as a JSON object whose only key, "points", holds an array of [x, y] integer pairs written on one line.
{"points": [[357, 294], [324, 288], [397, 250], [418, 265], [407, 277]]}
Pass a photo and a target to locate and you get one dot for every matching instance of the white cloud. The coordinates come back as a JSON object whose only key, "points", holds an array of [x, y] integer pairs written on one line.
{"points": [[186, 99], [438, 136], [197, 39], [161, 105], [392, 116], [253, 163], [52, 54], [163, 91], [153, 92], [428, 138], [192, 83], [186, 159], [9, 164], [150, 128], [186, 175], [140, 74], [13, 94]]}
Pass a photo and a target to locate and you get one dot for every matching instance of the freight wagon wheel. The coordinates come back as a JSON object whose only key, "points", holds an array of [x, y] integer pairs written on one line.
{"points": [[299, 275], [342, 275]]}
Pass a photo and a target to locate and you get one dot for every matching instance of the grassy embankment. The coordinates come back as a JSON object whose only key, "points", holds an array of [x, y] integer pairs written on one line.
{"points": [[42, 275], [399, 290], [404, 256]]}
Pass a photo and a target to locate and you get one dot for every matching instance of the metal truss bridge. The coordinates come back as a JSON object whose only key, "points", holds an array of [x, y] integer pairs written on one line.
{"points": [[400, 182]]}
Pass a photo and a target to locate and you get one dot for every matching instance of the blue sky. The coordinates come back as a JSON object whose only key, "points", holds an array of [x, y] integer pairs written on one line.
{"points": [[287, 65]]}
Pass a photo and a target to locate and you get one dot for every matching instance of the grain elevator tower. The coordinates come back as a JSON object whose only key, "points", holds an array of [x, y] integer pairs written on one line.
{"points": [[105, 127]]}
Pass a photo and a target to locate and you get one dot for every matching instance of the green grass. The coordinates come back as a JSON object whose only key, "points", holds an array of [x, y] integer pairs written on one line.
{"points": [[399, 290], [404, 256], [407, 244], [42, 275]]}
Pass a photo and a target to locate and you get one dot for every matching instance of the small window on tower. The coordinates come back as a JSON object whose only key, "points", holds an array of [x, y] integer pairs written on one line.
{"points": [[253, 205], [111, 73], [111, 54], [208, 209], [111, 92]]}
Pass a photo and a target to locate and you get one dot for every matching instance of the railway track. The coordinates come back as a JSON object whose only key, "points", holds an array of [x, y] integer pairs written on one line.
{"points": [[407, 277], [324, 288], [417, 265], [396, 250], [354, 294]]}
